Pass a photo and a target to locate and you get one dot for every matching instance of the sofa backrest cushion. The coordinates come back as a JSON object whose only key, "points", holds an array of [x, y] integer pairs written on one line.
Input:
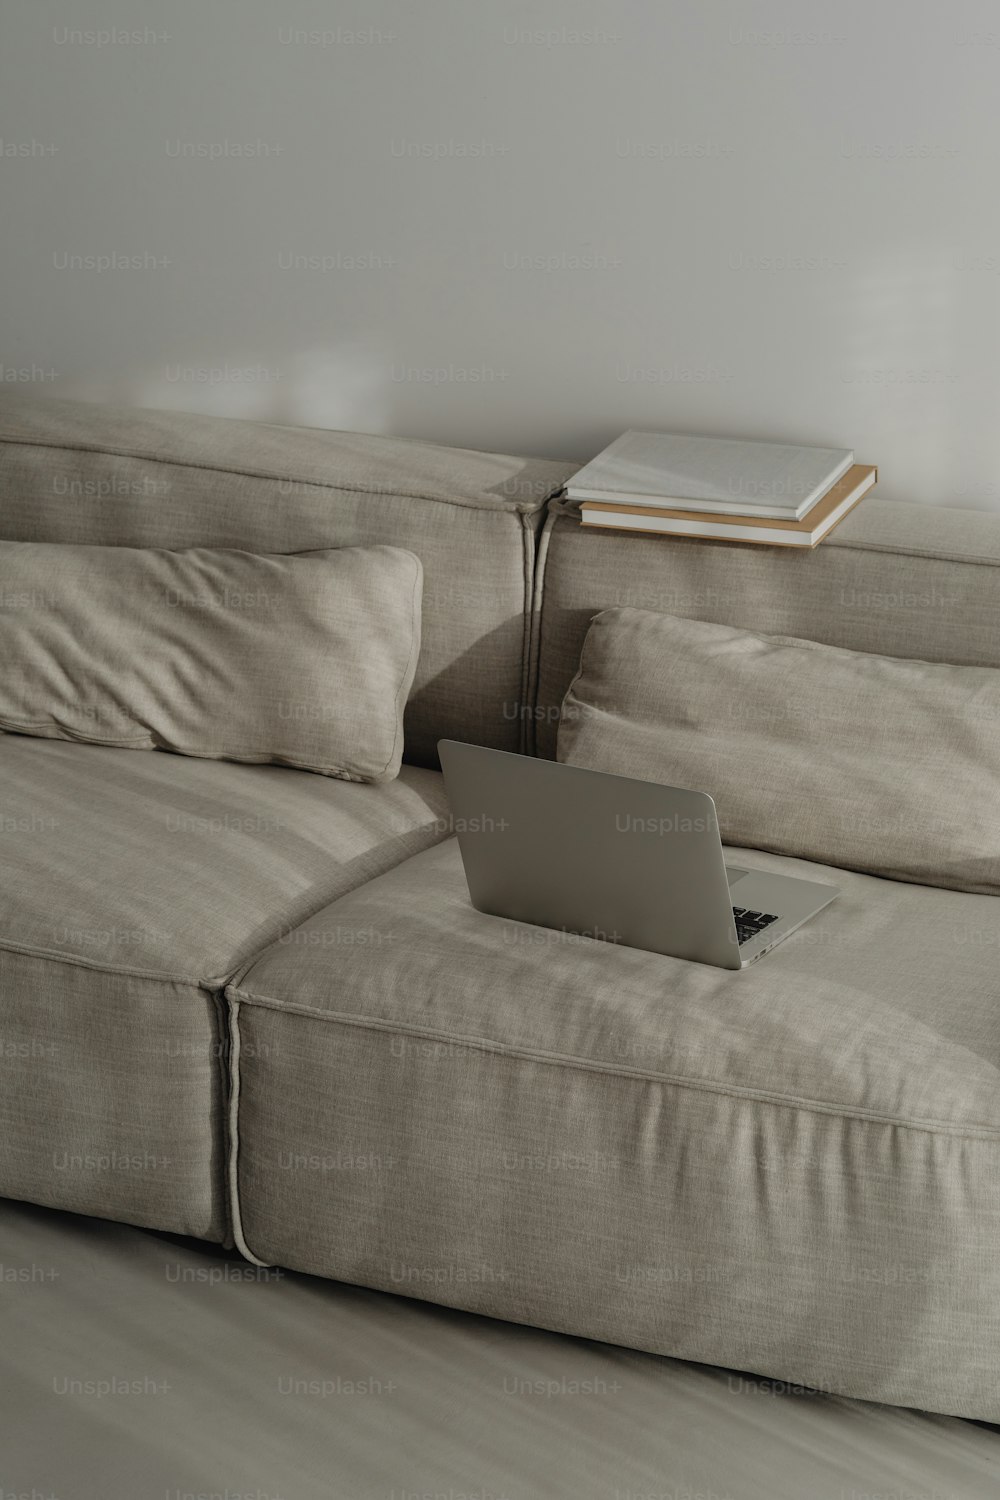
{"points": [[894, 578], [873, 763], [74, 472], [302, 660]]}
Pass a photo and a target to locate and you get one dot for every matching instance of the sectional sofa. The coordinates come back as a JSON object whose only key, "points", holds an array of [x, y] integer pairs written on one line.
{"points": [[252, 1004]]}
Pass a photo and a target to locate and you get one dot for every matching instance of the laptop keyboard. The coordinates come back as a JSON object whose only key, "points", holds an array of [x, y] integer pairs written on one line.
{"points": [[749, 923]]}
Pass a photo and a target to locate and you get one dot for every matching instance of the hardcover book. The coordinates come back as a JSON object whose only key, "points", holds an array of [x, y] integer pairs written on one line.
{"points": [[725, 476]]}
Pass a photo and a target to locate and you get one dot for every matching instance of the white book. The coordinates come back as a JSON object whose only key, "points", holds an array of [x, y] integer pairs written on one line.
{"points": [[726, 475]]}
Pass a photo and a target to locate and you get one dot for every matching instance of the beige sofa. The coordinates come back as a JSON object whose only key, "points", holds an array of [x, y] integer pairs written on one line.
{"points": [[254, 1005]]}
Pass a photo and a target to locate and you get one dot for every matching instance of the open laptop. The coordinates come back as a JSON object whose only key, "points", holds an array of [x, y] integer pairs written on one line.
{"points": [[613, 858]]}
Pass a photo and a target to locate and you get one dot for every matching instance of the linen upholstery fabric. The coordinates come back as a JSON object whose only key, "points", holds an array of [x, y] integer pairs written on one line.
{"points": [[304, 660], [793, 1170], [75, 472], [873, 762], [894, 578], [133, 887]]}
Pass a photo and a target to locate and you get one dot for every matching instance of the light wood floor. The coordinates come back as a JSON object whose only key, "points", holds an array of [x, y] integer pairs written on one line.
{"points": [[228, 1386]]}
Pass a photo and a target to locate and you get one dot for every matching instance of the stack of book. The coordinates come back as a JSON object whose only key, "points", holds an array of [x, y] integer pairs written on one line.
{"points": [[779, 494]]}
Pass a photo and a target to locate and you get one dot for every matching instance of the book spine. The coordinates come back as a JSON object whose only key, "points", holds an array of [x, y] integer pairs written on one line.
{"points": [[649, 526], [704, 507]]}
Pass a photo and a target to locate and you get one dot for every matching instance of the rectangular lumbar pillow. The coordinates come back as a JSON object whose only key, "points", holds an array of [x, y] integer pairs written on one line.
{"points": [[872, 763], [304, 660]]}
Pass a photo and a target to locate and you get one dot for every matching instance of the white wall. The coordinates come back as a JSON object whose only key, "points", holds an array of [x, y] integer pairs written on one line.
{"points": [[541, 222]]}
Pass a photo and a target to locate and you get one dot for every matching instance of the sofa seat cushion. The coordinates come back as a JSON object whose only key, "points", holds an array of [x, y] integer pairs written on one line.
{"points": [[133, 886], [793, 1169], [187, 867]]}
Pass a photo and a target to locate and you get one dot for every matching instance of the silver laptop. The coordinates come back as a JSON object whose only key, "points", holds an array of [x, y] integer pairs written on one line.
{"points": [[613, 858]]}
